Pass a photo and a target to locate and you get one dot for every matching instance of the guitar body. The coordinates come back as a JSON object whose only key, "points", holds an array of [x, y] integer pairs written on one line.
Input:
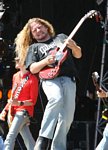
{"points": [[52, 71]]}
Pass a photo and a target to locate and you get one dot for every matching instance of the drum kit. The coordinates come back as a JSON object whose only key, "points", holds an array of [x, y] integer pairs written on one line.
{"points": [[2, 10], [2, 42], [6, 55], [5, 46], [6, 61], [6, 51]]}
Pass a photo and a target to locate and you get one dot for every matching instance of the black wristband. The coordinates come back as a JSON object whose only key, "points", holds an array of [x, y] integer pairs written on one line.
{"points": [[21, 103], [6, 111]]}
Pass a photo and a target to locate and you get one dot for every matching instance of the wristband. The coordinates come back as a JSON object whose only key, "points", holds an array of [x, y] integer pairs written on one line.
{"points": [[21, 103]]}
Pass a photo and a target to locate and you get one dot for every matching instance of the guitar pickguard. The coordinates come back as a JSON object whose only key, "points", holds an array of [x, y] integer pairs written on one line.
{"points": [[52, 71]]}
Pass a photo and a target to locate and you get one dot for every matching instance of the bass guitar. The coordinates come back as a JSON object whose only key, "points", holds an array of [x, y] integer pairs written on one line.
{"points": [[52, 71]]}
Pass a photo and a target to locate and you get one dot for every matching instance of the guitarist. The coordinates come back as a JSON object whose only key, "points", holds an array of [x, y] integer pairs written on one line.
{"points": [[103, 145], [21, 107], [60, 90]]}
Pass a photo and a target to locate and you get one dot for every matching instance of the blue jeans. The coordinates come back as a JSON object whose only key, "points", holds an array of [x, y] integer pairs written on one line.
{"points": [[103, 145], [1, 143], [59, 111], [19, 125]]}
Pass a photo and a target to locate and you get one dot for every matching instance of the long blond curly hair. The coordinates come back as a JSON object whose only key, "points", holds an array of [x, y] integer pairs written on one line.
{"points": [[24, 38]]}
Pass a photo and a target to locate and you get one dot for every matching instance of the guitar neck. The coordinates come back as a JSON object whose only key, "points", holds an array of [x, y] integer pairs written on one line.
{"points": [[88, 15], [73, 33]]}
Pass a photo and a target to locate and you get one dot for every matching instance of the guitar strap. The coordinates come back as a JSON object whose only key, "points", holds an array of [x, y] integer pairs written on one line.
{"points": [[20, 87], [10, 115]]}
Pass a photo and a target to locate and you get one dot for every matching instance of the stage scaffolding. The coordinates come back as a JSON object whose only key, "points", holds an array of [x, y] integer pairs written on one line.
{"points": [[103, 81]]}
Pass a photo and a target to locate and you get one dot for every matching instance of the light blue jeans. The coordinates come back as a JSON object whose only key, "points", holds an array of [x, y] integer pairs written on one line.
{"points": [[59, 111], [103, 145], [1, 143], [19, 125]]}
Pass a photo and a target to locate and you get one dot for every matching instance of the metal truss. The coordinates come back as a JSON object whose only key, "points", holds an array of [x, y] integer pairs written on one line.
{"points": [[102, 103]]}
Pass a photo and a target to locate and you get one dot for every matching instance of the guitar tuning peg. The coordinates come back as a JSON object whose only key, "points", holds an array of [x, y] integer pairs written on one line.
{"points": [[91, 17]]}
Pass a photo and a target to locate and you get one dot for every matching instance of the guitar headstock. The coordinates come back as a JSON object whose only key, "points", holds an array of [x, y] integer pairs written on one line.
{"points": [[91, 14], [95, 78]]}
